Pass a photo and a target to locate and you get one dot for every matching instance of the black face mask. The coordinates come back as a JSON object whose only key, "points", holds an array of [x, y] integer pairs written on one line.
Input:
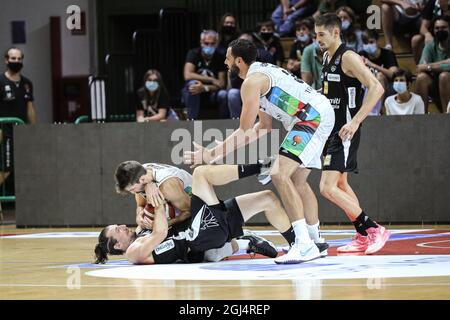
{"points": [[442, 35], [228, 30], [266, 35], [15, 66]]}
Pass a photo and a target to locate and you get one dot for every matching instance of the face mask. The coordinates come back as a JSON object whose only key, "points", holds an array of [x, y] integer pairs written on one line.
{"points": [[400, 87], [441, 35], [15, 66], [303, 38], [351, 45], [345, 25], [266, 35], [208, 51], [370, 48], [229, 30], [152, 85], [316, 45]]}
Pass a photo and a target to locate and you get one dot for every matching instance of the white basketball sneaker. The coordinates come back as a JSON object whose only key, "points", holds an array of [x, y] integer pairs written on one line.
{"points": [[299, 252]]}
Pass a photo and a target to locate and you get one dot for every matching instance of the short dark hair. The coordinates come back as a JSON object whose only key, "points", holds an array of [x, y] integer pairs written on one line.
{"points": [[372, 34], [401, 73], [12, 48], [329, 21], [128, 173], [438, 18], [307, 22], [268, 23], [104, 247], [244, 49]]}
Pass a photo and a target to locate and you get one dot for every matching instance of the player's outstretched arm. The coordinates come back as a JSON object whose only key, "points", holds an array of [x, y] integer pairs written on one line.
{"points": [[174, 193]]}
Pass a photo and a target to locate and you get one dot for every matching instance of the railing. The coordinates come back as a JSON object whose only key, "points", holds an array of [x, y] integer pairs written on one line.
{"points": [[3, 196]]}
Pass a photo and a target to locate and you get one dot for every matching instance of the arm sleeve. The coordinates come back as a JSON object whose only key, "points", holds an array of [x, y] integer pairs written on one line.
{"points": [[191, 56], [419, 108], [163, 102], [427, 56], [391, 60], [29, 91], [293, 52]]}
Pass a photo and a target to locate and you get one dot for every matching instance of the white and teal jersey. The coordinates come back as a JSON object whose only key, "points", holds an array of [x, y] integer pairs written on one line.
{"points": [[287, 96], [162, 172]]}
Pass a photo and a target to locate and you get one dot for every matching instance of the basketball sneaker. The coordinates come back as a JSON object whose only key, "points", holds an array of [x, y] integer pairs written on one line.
{"points": [[264, 175], [321, 245], [377, 239], [259, 245], [299, 252], [359, 243]]}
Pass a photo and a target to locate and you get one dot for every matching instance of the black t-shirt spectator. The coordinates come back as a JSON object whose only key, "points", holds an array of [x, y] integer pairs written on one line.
{"points": [[150, 107], [14, 97], [386, 59], [274, 48], [203, 67], [297, 46]]}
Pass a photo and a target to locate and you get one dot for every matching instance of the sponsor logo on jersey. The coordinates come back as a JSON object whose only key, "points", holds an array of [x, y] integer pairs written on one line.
{"points": [[335, 102], [334, 77], [333, 68], [165, 246], [351, 97], [327, 160]]}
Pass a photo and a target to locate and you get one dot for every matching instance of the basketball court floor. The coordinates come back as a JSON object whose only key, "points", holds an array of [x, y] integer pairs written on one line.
{"points": [[57, 264]]}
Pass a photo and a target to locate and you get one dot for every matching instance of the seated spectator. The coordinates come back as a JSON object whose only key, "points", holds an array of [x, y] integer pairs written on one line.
{"points": [[433, 72], [303, 30], [288, 11], [432, 9], [400, 12], [382, 62], [404, 102], [266, 39], [228, 31], [205, 76], [327, 6], [235, 83], [153, 99], [311, 67], [351, 34]]}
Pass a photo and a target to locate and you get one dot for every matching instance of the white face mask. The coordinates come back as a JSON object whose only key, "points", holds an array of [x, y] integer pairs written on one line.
{"points": [[370, 48], [303, 38], [152, 85], [400, 87]]}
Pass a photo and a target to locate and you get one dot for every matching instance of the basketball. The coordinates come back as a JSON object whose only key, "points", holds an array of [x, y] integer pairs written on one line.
{"points": [[169, 209]]}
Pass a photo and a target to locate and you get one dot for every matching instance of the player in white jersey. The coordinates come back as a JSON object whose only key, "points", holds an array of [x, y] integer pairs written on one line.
{"points": [[272, 92], [154, 183]]}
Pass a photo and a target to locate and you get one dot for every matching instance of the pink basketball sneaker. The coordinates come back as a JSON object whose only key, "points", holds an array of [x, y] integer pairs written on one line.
{"points": [[359, 243], [377, 239]]}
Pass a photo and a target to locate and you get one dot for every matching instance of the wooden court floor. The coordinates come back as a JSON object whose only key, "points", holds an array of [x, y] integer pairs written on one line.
{"points": [[27, 271]]}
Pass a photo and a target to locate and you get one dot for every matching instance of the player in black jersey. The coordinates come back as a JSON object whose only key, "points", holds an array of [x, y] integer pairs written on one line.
{"points": [[343, 76], [213, 224]]}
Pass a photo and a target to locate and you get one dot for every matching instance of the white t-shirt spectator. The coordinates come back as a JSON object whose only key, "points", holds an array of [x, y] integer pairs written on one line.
{"points": [[413, 106]]}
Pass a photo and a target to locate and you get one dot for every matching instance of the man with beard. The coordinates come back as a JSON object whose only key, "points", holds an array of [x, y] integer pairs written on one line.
{"points": [[267, 92]]}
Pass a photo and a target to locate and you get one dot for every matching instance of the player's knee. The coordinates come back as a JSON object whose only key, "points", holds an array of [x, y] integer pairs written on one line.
{"points": [[327, 189], [200, 172], [268, 197]]}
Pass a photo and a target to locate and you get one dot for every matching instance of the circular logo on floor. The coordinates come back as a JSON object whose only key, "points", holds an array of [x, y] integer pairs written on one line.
{"points": [[341, 267]]}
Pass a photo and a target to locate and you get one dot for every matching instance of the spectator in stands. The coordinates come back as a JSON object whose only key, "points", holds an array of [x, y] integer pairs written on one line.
{"points": [[433, 9], [382, 62], [358, 6], [351, 33], [266, 39], [401, 12], [16, 100], [433, 72], [404, 102], [288, 11], [228, 31], [303, 31], [311, 66], [153, 99], [234, 83], [205, 76]]}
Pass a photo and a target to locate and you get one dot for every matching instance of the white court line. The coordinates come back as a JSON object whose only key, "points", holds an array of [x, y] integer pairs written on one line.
{"points": [[424, 244], [224, 285]]}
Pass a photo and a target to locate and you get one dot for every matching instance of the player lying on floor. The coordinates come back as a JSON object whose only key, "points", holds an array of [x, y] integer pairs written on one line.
{"points": [[212, 226]]}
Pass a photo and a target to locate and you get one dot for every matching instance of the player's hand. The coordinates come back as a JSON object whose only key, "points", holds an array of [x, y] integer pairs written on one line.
{"points": [[154, 195], [147, 223], [197, 157], [348, 130], [196, 88]]}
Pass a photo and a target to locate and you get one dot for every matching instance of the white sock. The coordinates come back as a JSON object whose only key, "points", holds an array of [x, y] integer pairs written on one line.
{"points": [[243, 244], [300, 230], [313, 231]]}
